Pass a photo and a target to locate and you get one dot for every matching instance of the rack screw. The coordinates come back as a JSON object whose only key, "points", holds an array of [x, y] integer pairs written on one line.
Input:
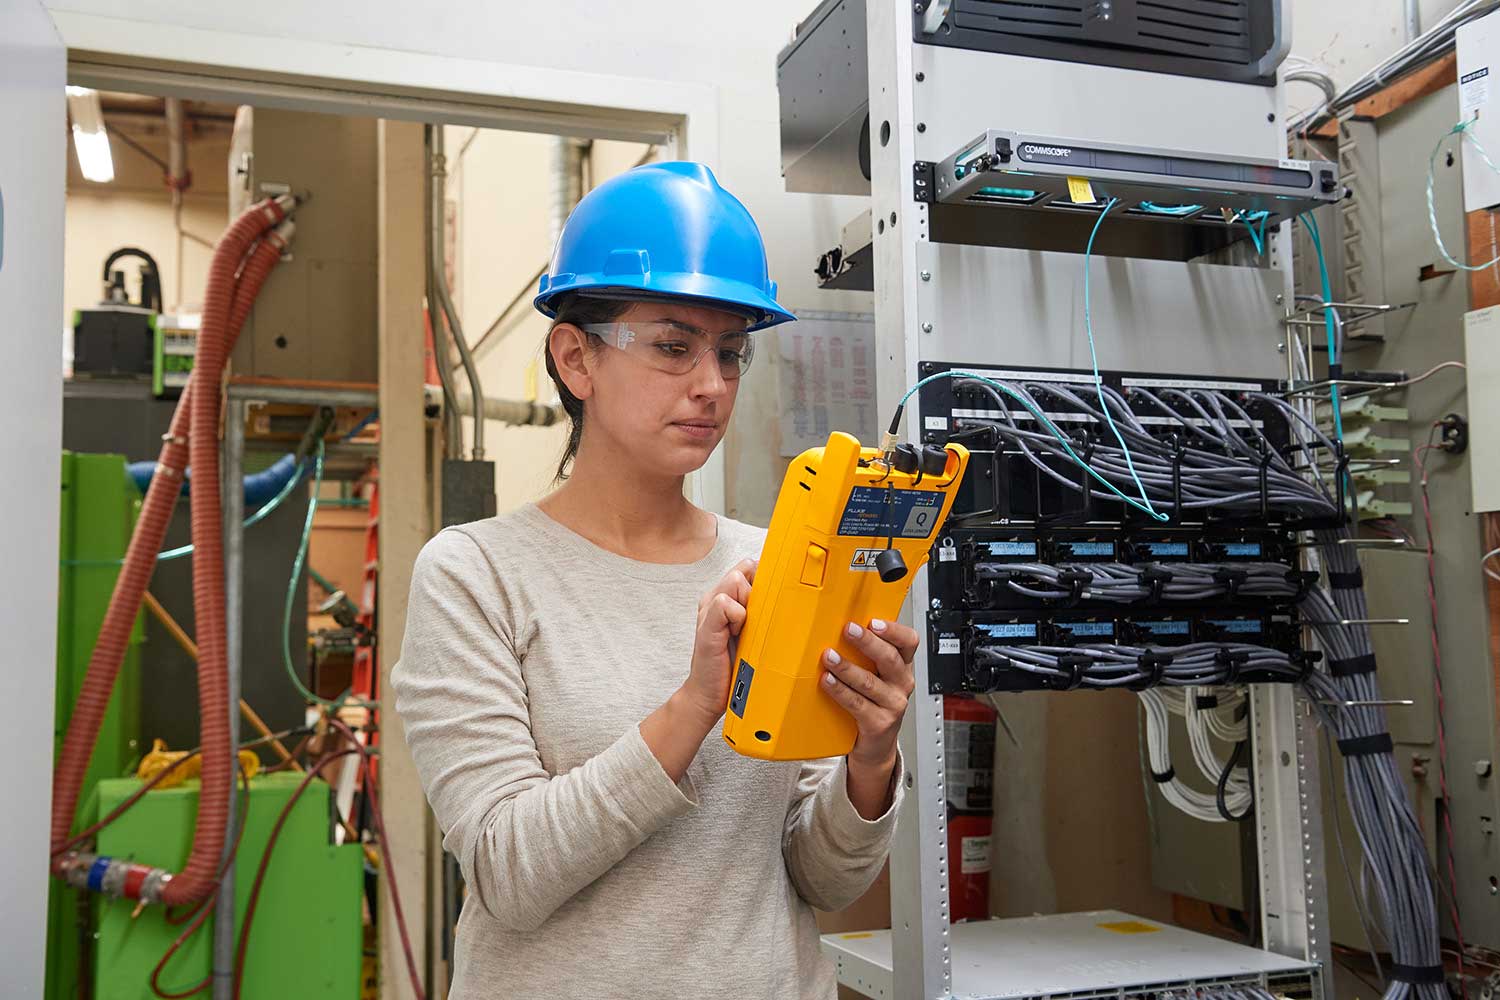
{"points": [[926, 275], [1482, 768], [937, 604], [926, 327]]}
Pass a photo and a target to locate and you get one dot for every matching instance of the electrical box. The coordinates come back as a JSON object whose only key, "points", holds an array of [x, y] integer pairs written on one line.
{"points": [[316, 315], [1478, 68]]}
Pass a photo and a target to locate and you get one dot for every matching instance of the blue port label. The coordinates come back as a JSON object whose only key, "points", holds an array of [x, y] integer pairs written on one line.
{"points": [[1242, 550], [1162, 550], [1164, 627], [1087, 628], [1010, 630], [1012, 548], [1238, 626], [1079, 549]]}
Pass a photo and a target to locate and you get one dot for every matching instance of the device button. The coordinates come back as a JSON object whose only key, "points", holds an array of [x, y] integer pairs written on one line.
{"points": [[813, 565]]}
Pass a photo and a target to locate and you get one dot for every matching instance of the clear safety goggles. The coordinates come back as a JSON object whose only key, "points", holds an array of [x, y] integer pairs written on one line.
{"points": [[676, 348]]}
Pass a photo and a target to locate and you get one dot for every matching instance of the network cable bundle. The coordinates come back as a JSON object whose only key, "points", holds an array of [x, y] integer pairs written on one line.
{"points": [[1141, 531]]}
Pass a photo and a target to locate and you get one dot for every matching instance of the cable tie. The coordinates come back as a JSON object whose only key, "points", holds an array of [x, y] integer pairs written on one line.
{"points": [[1231, 578], [1155, 577], [1231, 660], [1361, 746], [1347, 581], [1076, 665], [1155, 664], [1162, 777], [1354, 666], [1426, 975], [1303, 579], [1305, 659]]}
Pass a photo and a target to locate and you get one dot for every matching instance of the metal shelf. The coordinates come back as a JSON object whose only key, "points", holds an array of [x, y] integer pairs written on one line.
{"points": [[1102, 953]]}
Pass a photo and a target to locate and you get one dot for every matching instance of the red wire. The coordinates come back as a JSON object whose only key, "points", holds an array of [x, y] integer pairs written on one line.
{"points": [[1442, 727], [201, 910], [265, 863], [385, 853]]}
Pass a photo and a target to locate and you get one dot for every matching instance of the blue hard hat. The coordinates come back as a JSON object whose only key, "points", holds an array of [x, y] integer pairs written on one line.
{"points": [[664, 230]]}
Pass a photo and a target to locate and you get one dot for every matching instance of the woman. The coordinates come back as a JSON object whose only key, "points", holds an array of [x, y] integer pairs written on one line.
{"points": [[565, 666]]}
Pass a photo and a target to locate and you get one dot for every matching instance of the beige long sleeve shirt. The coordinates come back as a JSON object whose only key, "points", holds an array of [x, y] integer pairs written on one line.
{"points": [[530, 657]]}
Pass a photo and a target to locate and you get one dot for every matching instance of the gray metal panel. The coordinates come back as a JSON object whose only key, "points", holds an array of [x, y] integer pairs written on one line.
{"points": [[1020, 307], [963, 93], [1415, 340], [822, 79], [1188, 856], [1065, 954]]}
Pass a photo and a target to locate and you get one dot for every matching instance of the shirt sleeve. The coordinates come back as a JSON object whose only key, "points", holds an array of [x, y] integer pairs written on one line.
{"points": [[832, 852], [526, 840]]}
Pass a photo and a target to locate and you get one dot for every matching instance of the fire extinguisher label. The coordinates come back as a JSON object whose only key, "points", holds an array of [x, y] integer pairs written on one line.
{"points": [[970, 772], [974, 856]]}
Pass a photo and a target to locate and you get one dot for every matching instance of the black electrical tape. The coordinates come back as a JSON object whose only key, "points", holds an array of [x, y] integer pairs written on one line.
{"points": [[1162, 779], [1336, 371], [1427, 975], [1206, 701], [1361, 746], [1347, 581], [1352, 667]]}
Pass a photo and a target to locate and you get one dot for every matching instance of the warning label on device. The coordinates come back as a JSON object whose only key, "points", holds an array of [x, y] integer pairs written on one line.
{"points": [[1474, 90], [975, 855]]}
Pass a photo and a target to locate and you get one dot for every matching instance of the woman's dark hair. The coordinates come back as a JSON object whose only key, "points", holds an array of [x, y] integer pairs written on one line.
{"points": [[577, 309]]}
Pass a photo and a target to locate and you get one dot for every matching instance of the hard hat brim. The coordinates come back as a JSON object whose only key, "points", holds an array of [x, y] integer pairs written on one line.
{"points": [[699, 289]]}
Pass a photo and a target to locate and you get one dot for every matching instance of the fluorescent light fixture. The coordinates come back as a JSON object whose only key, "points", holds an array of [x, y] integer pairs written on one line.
{"points": [[90, 140]]}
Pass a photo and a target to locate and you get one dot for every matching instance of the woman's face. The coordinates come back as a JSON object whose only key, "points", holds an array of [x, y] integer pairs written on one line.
{"points": [[661, 422]]}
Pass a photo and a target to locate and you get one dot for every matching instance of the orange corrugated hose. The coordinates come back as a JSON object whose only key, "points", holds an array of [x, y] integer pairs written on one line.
{"points": [[243, 257]]}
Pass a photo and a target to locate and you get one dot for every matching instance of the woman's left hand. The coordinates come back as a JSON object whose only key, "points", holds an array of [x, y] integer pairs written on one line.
{"points": [[875, 698]]}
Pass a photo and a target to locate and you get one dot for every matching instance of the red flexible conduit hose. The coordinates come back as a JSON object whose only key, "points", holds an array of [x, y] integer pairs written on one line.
{"points": [[192, 438]]}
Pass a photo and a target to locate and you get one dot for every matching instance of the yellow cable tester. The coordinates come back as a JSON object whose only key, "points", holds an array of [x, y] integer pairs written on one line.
{"points": [[850, 528]]}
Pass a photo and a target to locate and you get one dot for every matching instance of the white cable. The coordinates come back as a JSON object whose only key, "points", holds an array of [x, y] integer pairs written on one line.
{"points": [[1484, 563]]}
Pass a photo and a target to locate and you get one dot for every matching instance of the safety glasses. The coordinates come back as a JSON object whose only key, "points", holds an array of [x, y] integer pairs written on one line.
{"points": [[676, 348]]}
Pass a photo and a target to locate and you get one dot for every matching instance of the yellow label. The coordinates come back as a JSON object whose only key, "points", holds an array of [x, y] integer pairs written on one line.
{"points": [[1130, 927], [861, 934], [1081, 191]]}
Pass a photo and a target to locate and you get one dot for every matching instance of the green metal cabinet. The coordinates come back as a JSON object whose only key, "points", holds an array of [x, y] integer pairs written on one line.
{"points": [[307, 935], [99, 505]]}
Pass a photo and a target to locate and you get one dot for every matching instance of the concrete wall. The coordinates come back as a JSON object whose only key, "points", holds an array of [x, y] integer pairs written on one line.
{"points": [[1349, 37]]}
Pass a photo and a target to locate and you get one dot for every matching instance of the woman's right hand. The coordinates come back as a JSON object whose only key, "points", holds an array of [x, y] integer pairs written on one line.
{"points": [[721, 615]]}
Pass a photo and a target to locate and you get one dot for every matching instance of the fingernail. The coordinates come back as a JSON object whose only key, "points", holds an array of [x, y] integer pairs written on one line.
{"points": [[877, 624], [829, 680], [833, 657], [855, 631]]}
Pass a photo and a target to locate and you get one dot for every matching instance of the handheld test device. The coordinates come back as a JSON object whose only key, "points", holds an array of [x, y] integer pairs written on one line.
{"points": [[850, 528]]}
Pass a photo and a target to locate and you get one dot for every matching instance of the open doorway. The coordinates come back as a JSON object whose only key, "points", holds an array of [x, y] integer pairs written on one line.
{"points": [[304, 439]]}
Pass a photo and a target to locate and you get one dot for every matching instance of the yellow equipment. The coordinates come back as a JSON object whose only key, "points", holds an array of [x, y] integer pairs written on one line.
{"points": [[160, 759], [849, 529]]}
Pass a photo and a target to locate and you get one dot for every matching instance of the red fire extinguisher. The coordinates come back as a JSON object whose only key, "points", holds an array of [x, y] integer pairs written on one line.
{"points": [[969, 755]]}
